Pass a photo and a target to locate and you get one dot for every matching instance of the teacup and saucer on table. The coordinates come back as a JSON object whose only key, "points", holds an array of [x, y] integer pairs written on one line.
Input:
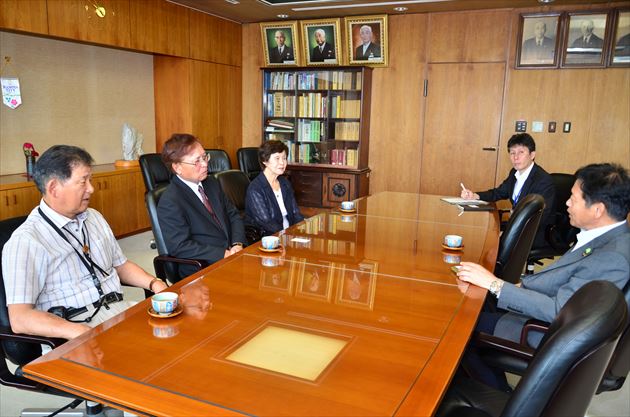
{"points": [[453, 242], [270, 244], [347, 207], [165, 305]]}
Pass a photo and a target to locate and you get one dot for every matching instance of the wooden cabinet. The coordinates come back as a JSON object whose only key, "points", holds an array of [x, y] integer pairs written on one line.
{"points": [[159, 26], [323, 117], [24, 15], [105, 22], [18, 199], [118, 195], [214, 39]]}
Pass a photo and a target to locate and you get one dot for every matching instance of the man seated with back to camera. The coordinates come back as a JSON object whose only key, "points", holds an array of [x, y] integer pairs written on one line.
{"points": [[198, 221], [64, 258], [525, 177], [599, 206]]}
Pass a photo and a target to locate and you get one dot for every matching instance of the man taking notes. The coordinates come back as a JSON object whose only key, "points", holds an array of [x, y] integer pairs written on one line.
{"points": [[526, 177]]}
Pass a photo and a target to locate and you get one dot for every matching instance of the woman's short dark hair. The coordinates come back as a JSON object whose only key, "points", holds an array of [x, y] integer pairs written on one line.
{"points": [[522, 139], [176, 147], [608, 184], [58, 162], [269, 148]]}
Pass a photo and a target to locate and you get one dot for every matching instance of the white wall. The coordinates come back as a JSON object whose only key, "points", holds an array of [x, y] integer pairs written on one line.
{"points": [[74, 94]]}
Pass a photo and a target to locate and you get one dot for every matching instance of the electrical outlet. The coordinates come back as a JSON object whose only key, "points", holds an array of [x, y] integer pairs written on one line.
{"points": [[552, 127], [521, 126], [566, 127]]}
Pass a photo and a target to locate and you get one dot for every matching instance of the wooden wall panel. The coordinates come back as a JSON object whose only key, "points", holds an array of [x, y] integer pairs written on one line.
{"points": [[398, 108], [595, 101], [24, 15], [71, 19], [468, 37], [253, 60], [214, 39], [171, 77], [159, 26]]}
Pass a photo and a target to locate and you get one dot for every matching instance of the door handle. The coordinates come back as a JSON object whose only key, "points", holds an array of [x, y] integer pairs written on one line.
{"points": [[489, 148]]}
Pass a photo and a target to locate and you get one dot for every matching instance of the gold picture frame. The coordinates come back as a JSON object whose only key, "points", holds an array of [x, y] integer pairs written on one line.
{"points": [[321, 42], [280, 43], [366, 40]]}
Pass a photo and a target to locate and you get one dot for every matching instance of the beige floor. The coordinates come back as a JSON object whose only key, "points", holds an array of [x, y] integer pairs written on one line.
{"points": [[12, 401]]}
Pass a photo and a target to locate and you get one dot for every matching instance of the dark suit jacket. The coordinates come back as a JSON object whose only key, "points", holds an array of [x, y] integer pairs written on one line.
{"points": [[275, 57], [593, 42], [538, 182], [262, 209], [533, 52], [374, 49], [542, 295], [188, 228], [327, 53]]}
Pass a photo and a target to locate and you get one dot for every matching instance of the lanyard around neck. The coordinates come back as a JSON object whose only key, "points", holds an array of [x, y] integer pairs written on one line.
{"points": [[85, 258]]}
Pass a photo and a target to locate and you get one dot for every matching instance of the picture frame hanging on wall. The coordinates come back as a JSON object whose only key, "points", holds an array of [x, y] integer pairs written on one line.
{"points": [[366, 38], [321, 42], [538, 40], [620, 51], [586, 39], [280, 43]]}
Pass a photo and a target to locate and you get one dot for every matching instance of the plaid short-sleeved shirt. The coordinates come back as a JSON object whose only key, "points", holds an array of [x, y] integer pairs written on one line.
{"points": [[41, 268]]}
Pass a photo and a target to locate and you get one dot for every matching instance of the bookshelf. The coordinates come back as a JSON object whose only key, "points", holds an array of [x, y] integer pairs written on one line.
{"points": [[323, 117]]}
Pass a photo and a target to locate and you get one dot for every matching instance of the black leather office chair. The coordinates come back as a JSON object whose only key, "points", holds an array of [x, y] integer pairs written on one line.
{"points": [[516, 241], [248, 162], [219, 161], [165, 265], [234, 184], [154, 172], [565, 370], [559, 235]]}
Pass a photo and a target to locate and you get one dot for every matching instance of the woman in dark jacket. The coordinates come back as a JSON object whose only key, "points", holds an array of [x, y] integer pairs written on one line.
{"points": [[270, 203]]}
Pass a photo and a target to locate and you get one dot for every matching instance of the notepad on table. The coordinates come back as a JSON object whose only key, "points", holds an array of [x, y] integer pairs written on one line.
{"points": [[463, 202]]}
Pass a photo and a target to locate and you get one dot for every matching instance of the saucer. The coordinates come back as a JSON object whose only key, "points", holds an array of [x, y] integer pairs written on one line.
{"points": [[178, 310], [278, 249], [449, 248], [347, 211]]}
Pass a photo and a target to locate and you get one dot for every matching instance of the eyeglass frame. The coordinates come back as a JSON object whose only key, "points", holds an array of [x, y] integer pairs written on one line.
{"points": [[198, 162]]}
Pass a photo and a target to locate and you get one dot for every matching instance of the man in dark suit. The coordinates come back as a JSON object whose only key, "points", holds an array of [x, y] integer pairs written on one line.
{"points": [[588, 38], [539, 49], [281, 52], [526, 177], [599, 205], [323, 50], [198, 221], [367, 49]]}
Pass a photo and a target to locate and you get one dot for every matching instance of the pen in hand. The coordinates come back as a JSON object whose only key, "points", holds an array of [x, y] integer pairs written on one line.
{"points": [[465, 192]]}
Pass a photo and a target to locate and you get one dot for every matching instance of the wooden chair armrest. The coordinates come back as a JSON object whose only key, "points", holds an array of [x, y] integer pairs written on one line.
{"points": [[533, 325]]}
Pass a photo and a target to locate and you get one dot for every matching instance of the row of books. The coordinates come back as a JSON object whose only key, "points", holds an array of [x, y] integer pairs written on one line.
{"points": [[280, 80], [311, 130], [346, 157], [345, 109], [330, 80], [280, 105], [312, 105], [347, 131]]}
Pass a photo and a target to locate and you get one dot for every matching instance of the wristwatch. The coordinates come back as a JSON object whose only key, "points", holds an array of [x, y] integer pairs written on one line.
{"points": [[495, 287], [153, 281]]}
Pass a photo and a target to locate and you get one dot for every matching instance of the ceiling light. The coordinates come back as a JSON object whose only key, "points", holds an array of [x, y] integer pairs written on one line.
{"points": [[283, 16], [401, 9], [382, 3]]}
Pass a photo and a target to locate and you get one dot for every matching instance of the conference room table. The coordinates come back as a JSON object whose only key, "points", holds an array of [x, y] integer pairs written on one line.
{"points": [[357, 314]]}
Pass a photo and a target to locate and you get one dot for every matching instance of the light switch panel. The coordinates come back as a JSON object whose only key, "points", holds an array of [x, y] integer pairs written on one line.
{"points": [[521, 126]]}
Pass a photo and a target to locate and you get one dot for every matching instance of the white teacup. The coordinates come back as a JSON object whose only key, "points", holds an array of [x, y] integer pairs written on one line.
{"points": [[270, 242], [453, 241], [347, 205], [164, 302]]}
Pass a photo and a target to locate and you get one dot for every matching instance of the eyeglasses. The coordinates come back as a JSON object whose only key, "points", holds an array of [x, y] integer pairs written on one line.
{"points": [[198, 162]]}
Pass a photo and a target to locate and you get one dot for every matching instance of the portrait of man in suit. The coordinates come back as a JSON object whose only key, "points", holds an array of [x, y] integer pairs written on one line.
{"points": [[585, 39], [368, 49], [323, 50], [540, 48], [621, 49], [281, 52]]}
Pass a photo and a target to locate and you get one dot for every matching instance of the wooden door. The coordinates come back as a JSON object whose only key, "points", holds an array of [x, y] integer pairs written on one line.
{"points": [[463, 117]]}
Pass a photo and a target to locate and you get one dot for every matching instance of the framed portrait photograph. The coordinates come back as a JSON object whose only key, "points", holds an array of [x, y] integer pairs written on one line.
{"points": [[357, 287], [280, 43], [586, 39], [620, 51], [315, 281], [366, 40], [320, 41], [539, 36]]}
